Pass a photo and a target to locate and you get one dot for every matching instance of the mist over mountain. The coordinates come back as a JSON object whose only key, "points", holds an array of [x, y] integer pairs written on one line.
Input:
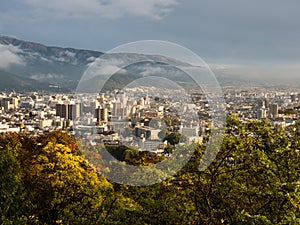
{"points": [[42, 66], [59, 66], [11, 82]]}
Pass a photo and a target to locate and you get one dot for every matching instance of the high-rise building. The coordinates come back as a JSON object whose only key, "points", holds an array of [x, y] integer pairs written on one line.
{"points": [[9, 103], [68, 111], [101, 114], [273, 110], [261, 113], [122, 97], [74, 111], [14, 102], [62, 110], [262, 108], [117, 109]]}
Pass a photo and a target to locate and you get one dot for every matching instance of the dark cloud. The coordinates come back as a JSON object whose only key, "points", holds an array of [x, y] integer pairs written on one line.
{"points": [[226, 31]]}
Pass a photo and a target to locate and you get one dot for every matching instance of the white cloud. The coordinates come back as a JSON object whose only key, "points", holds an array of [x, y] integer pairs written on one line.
{"points": [[104, 67], [153, 71], [167, 70], [91, 59], [47, 76], [111, 9], [35, 56], [9, 56], [70, 54], [62, 57]]}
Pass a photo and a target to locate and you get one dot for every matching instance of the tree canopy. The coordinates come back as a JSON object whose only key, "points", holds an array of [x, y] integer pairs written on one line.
{"points": [[255, 179]]}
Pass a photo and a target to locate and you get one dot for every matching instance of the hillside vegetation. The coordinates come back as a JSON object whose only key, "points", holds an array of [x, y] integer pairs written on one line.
{"points": [[255, 179]]}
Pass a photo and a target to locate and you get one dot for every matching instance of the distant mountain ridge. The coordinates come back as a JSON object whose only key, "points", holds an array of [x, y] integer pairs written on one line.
{"points": [[64, 67], [60, 66], [79, 54], [9, 82]]}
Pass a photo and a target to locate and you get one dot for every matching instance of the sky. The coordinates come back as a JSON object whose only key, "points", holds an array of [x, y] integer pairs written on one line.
{"points": [[263, 35]]}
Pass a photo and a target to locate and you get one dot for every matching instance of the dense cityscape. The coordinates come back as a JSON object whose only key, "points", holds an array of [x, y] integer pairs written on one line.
{"points": [[132, 116]]}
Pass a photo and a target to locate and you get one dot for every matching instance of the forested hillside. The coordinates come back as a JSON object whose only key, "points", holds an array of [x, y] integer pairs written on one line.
{"points": [[255, 179]]}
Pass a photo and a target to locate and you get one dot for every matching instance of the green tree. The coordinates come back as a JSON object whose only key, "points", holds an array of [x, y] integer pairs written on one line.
{"points": [[173, 138], [15, 207], [66, 189], [254, 179]]}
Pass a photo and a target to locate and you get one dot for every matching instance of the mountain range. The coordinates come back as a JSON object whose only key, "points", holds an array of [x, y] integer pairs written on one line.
{"points": [[9, 82], [50, 66], [27, 66]]}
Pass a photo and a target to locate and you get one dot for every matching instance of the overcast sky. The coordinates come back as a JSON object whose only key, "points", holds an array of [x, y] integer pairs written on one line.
{"points": [[264, 33]]}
